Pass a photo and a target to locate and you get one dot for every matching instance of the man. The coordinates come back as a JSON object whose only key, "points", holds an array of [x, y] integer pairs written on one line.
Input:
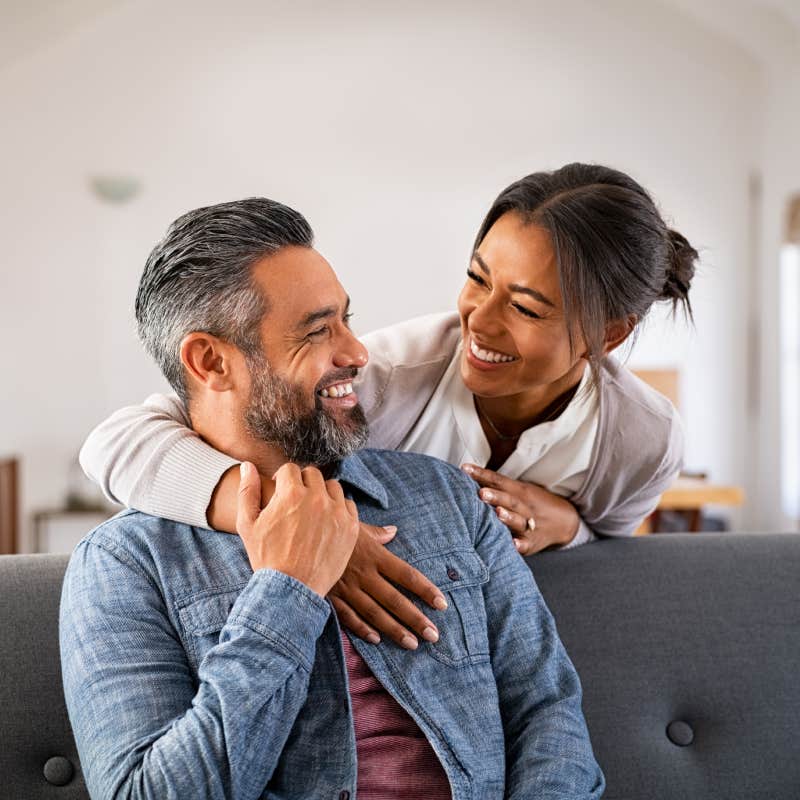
{"points": [[200, 665]]}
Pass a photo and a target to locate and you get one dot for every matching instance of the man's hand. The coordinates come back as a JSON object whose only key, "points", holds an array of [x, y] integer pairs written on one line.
{"points": [[307, 530], [366, 602], [554, 519]]}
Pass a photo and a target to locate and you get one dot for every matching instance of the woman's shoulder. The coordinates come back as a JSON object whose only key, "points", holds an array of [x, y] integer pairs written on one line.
{"points": [[406, 363], [415, 342], [627, 394], [644, 425]]}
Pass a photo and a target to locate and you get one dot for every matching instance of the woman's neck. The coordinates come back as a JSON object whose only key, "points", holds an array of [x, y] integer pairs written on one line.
{"points": [[508, 417]]}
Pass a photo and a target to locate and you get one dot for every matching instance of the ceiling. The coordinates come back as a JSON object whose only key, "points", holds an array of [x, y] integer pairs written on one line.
{"points": [[765, 28]]}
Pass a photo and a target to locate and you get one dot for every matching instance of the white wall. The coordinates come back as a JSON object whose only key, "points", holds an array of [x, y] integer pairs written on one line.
{"points": [[781, 159], [392, 130]]}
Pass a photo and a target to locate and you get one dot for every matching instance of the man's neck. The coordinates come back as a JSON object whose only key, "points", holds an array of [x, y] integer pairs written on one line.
{"points": [[225, 430]]}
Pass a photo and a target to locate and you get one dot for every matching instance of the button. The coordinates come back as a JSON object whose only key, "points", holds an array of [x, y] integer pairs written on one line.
{"points": [[58, 771], [453, 574], [680, 733], [344, 795]]}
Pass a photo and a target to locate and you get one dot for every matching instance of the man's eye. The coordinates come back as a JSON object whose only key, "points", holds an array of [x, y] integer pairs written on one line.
{"points": [[526, 311], [318, 333], [473, 276], [347, 317]]}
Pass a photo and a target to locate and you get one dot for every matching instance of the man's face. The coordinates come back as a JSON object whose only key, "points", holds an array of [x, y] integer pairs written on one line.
{"points": [[301, 395]]}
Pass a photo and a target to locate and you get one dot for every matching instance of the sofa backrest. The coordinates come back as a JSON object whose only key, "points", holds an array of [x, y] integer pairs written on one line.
{"points": [[38, 758], [687, 647]]}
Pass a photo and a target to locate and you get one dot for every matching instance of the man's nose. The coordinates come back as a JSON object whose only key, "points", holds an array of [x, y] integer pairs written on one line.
{"points": [[350, 352]]}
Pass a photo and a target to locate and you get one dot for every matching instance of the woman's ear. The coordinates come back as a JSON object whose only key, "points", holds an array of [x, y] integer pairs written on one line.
{"points": [[208, 361], [618, 331]]}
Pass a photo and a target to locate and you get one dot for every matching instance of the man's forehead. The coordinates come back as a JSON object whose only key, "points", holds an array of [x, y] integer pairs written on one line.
{"points": [[298, 281]]}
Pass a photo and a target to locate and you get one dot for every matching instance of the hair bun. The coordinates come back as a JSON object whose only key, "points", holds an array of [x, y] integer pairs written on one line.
{"points": [[680, 271]]}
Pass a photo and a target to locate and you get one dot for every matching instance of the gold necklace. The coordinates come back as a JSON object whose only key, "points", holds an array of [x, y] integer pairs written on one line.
{"points": [[504, 437]]}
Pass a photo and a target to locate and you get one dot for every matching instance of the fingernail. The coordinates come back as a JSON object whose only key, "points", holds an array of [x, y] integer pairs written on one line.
{"points": [[503, 513], [468, 468], [486, 494], [518, 544], [373, 638], [409, 642], [244, 469], [390, 528], [440, 603], [430, 635]]}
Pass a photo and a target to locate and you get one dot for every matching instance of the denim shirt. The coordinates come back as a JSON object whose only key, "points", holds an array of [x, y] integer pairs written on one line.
{"points": [[187, 675]]}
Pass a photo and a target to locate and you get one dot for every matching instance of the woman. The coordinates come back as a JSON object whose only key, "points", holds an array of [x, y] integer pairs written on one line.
{"points": [[516, 386]]}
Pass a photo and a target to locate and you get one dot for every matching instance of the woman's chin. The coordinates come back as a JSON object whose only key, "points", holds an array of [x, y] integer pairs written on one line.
{"points": [[484, 383]]}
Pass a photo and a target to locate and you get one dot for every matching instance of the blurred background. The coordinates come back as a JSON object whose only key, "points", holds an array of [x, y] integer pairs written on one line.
{"points": [[392, 127]]}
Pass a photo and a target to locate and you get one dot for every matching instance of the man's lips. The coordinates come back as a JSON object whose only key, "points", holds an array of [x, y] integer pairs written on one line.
{"points": [[339, 392]]}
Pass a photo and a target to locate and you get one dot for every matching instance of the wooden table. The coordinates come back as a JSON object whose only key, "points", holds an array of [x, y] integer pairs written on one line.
{"points": [[690, 495]]}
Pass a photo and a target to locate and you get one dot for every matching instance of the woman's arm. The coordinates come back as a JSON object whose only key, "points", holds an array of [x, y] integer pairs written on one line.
{"points": [[147, 457]]}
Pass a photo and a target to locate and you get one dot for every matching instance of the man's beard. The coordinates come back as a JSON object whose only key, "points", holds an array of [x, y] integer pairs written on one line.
{"points": [[278, 413]]}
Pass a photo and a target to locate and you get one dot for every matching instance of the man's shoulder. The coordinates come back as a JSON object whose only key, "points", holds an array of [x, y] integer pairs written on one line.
{"points": [[140, 540], [134, 528], [414, 469], [424, 486]]}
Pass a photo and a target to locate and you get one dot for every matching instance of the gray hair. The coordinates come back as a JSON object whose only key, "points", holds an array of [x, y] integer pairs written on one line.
{"points": [[198, 278]]}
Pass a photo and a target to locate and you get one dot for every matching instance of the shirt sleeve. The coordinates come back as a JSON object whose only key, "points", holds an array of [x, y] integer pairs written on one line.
{"points": [[148, 457], [143, 725], [548, 752]]}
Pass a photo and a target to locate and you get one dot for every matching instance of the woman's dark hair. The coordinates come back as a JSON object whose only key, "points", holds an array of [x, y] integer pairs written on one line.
{"points": [[615, 254]]}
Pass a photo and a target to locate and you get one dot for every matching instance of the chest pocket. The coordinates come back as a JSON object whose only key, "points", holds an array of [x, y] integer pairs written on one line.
{"points": [[203, 617], [459, 574]]}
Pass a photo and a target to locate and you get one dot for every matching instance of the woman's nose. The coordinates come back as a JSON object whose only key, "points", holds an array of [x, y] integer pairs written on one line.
{"points": [[485, 317]]}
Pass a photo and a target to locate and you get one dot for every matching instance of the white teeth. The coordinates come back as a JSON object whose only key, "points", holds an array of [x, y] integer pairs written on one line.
{"points": [[489, 355], [340, 390]]}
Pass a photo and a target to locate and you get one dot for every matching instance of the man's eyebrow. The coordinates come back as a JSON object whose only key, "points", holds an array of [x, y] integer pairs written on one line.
{"points": [[514, 287], [322, 313]]}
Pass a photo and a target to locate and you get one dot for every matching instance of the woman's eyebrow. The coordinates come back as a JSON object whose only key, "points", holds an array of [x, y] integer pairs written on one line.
{"points": [[514, 287], [476, 257]]}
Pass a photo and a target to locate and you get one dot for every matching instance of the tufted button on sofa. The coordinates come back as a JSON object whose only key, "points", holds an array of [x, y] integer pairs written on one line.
{"points": [[688, 649]]}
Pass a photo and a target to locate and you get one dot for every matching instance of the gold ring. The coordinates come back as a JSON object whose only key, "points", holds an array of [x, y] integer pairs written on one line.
{"points": [[531, 524]]}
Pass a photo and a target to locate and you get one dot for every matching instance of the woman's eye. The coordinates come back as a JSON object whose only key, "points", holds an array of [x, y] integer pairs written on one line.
{"points": [[473, 276], [526, 311], [347, 317]]}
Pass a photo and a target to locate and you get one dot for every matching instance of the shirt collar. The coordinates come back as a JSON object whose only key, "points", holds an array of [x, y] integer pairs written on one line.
{"points": [[355, 472]]}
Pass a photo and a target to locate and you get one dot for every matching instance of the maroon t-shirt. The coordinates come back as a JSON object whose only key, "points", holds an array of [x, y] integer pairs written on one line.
{"points": [[394, 757]]}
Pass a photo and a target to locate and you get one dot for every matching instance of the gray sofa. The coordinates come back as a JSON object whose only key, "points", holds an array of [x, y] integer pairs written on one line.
{"points": [[688, 648]]}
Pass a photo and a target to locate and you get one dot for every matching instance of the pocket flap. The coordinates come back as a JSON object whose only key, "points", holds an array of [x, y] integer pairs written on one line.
{"points": [[452, 569], [207, 613]]}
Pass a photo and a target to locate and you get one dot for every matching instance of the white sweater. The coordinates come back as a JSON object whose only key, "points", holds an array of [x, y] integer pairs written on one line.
{"points": [[611, 452]]}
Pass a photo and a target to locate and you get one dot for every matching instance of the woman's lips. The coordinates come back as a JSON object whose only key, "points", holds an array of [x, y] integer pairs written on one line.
{"points": [[486, 359]]}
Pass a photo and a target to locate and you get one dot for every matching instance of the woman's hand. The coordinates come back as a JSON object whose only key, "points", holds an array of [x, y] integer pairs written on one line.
{"points": [[368, 604], [554, 519]]}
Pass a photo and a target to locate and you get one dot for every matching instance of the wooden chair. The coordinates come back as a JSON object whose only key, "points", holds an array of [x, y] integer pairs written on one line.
{"points": [[9, 505]]}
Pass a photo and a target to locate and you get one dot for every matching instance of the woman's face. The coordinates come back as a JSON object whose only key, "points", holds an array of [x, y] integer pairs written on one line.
{"points": [[515, 336]]}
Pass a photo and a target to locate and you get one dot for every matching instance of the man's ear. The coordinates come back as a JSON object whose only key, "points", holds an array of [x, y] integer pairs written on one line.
{"points": [[618, 331], [208, 360]]}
